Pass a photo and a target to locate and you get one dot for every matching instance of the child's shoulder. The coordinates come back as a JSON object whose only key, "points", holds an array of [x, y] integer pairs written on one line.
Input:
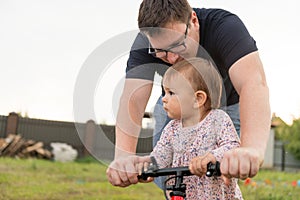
{"points": [[218, 112], [174, 123], [172, 126]]}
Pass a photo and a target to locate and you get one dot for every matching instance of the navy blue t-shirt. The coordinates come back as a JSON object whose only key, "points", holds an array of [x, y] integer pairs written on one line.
{"points": [[222, 34]]}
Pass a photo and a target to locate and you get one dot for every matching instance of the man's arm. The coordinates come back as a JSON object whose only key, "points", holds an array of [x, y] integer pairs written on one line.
{"points": [[133, 102], [248, 78], [122, 171]]}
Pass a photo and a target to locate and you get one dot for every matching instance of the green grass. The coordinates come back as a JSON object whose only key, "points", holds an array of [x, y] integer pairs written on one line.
{"points": [[272, 185], [86, 180], [41, 179]]}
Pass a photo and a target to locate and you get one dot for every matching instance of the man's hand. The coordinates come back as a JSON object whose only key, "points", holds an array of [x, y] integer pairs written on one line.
{"points": [[241, 163], [124, 171]]}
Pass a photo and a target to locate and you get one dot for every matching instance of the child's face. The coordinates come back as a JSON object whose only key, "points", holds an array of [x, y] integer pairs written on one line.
{"points": [[179, 99]]}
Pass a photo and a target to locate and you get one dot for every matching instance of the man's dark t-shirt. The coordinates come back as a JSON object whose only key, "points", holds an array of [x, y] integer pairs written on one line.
{"points": [[222, 34]]}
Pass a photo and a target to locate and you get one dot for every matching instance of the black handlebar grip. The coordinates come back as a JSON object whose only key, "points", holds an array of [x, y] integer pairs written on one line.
{"points": [[143, 176], [213, 169]]}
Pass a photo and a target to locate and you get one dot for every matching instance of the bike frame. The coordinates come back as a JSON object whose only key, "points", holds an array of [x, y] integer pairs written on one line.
{"points": [[179, 188]]}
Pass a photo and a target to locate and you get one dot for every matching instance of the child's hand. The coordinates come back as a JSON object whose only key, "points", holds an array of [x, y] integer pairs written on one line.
{"points": [[198, 165], [144, 166]]}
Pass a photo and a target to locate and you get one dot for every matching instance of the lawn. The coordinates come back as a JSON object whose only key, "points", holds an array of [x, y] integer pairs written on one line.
{"points": [[41, 179]]}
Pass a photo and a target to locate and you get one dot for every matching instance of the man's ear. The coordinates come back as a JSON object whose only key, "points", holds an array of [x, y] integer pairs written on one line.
{"points": [[194, 19], [200, 98]]}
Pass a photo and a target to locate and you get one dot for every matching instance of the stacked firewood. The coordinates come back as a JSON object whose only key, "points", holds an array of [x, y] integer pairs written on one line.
{"points": [[16, 146]]}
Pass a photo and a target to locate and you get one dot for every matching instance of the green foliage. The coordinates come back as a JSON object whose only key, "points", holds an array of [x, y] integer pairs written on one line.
{"points": [[290, 135], [23, 114]]}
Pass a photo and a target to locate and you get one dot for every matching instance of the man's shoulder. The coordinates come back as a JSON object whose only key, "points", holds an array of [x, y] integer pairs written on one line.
{"points": [[211, 13]]}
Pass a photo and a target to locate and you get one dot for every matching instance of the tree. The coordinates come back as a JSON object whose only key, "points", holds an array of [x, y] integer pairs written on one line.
{"points": [[23, 114], [290, 135]]}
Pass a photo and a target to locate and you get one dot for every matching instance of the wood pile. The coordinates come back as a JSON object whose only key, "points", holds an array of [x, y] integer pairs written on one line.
{"points": [[16, 146]]}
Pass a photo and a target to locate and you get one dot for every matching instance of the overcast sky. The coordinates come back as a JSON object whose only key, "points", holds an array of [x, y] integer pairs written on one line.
{"points": [[44, 45]]}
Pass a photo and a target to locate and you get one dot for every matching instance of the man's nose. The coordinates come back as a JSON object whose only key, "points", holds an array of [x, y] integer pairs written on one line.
{"points": [[172, 57]]}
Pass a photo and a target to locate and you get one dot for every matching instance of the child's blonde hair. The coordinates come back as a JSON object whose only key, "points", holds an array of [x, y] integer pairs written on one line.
{"points": [[202, 75]]}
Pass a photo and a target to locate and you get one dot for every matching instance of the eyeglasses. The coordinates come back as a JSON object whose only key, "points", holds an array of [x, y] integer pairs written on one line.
{"points": [[176, 48]]}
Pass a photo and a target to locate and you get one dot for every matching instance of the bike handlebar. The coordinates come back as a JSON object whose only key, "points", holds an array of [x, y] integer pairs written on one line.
{"points": [[165, 172], [212, 170]]}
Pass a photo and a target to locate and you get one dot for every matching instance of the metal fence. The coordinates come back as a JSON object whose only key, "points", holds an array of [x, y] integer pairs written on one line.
{"points": [[283, 160]]}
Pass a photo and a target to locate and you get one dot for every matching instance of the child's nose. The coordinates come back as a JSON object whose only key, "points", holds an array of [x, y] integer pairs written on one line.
{"points": [[172, 57], [164, 99]]}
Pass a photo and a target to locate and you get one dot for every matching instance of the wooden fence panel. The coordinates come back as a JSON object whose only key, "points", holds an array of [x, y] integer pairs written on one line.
{"points": [[144, 145], [51, 131], [76, 135], [3, 120], [104, 142], [105, 139], [101, 139]]}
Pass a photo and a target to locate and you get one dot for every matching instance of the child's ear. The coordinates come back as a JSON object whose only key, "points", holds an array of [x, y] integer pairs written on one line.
{"points": [[200, 98]]}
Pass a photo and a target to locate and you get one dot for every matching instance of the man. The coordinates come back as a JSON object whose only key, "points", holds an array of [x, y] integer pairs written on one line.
{"points": [[180, 31]]}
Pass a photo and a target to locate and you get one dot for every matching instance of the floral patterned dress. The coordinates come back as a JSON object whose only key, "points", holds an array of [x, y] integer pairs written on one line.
{"points": [[178, 145]]}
